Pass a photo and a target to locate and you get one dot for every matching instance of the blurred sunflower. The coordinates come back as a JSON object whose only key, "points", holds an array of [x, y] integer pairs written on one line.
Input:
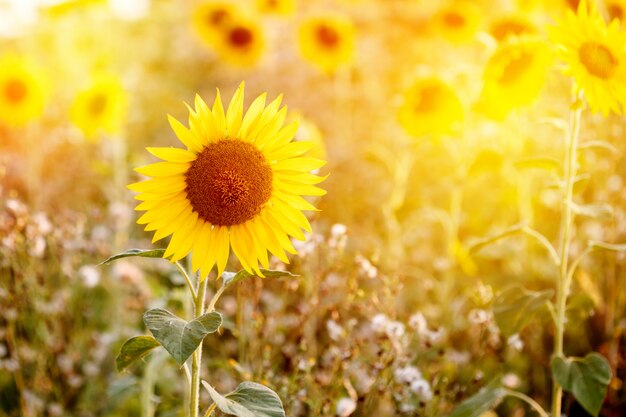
{"points": [[238, 184], [210, 19], [309, 132], [458, 21], [615, 9], [327, 41], [241, 42], [595, 56], [22, 93], [280, 7], [101, 107], [513, 77], [511, 25], [430, 107]]}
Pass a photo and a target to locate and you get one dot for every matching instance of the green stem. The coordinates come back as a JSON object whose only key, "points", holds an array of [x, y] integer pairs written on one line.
{"points": [[216, 297], [564, 279], [187, 279], [210, 410], [196, 360], [534, 404]]}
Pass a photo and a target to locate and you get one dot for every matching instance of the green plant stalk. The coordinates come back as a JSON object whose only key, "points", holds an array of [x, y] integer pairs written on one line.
{"points": [[196, 360], [564, 280]]}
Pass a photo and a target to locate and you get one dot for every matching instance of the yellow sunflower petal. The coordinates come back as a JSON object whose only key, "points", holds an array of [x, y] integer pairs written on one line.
{"points": [[252, 115], [163, 169], [234, 113], [185, 135], [299, 164], [222, 241], [218, 113], [172, 154]]}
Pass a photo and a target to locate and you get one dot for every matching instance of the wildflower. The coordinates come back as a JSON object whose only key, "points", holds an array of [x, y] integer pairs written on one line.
{"points": [[22, 95], [101, 107], [327, 42], [516, 342], [345, 407], [335, 331], [418, 323], [241, 42], [422, 389], [458, 21], [514, 77], [430, 107], [595, 56], [238, 184], [407, 374], [90, 275], [379, 323]]}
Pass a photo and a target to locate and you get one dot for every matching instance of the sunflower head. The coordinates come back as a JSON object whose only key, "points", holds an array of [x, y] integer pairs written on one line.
{"points": [[238, 184], [241, 42], [101, 107], [430, 107], [278, 7], [327, 41], [22, 95], [458, 22], [595, 56], [513, 25], [514, 76], [615, 9], [209, 19]]}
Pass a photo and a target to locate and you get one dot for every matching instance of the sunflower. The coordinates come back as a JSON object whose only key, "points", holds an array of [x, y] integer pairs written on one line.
{"points": [[615, 9], [238, 185], [511, 25], [241, 42], [430, 107], [595, 56], [279, 7], [22, 95], [458, 21], [101, 107], [210, 19], [327, 41], [514, 76]]}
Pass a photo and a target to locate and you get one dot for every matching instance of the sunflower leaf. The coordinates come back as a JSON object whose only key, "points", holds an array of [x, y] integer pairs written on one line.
{"points": [[145, 253], [134, 349], [586, 378], [234, 277], [248, 400], [179, 337]]}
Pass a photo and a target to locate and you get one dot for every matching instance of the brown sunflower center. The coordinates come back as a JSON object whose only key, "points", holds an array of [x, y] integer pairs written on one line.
{"points": [[454, 20], [97, 105], [598, 59], [515, 69], [15, 91], [327, 36], [431, 98], [240, 36], [615, 11], [217, 17], [503, 29], [229, 182]]}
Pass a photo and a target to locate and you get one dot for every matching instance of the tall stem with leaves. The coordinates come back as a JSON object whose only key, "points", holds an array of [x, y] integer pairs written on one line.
{"points": [[564, 278]]}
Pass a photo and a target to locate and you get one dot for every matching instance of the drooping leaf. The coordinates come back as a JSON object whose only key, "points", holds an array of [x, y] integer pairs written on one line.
{"points": [[484, 400], [586, 378], [134, 349], [232, 277], [515, 306], [595, 211], [248, 400], [481, 243], [145, 253], [179, 337], [618, 247]]}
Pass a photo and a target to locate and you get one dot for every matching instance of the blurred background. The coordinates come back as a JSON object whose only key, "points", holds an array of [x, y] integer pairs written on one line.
{"points": [[440, 122]]}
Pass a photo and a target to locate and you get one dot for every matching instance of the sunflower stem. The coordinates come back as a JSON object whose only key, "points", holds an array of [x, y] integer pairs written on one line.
{"points": [[564, 279], [196, 360], [187, 279]]}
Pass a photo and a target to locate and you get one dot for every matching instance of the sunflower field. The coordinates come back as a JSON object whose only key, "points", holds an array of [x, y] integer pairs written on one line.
{"points": [[270, 208]]}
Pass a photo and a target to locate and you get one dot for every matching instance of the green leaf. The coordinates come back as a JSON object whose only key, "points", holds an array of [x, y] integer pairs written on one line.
{"points": [[232, 277], [545, 163], [484, 400], [586, 378], [595, 211], [145, 253], [179, 337], [134, 349], [514, 307], [618, 247], [248, 400]]}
